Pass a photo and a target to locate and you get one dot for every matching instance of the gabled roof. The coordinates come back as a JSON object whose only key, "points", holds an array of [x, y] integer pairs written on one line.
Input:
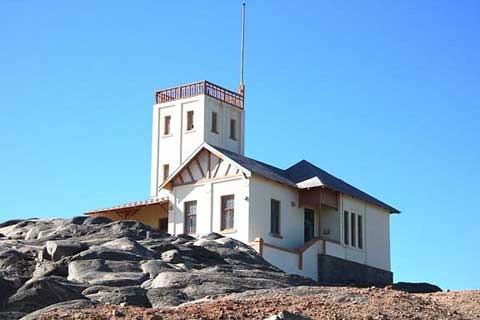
{"points": [[260, 168], [301, 175]]}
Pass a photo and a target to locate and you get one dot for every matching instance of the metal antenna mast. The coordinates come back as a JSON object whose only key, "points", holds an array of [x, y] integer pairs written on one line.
{"points": [[242, 61]]}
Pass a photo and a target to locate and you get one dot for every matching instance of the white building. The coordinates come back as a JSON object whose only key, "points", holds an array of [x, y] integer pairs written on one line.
{"points": [[301, 219]]}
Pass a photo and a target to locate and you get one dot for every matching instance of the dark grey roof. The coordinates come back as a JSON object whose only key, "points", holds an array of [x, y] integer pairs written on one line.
{"points": [[260, 168], [304, 170], [299, 172]]}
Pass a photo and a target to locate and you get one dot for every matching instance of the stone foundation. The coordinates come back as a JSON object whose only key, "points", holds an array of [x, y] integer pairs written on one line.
{"points": [[334, 271]]}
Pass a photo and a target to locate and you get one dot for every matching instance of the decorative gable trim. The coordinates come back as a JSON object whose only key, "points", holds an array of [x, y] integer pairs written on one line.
{"points": [[205, 164]]}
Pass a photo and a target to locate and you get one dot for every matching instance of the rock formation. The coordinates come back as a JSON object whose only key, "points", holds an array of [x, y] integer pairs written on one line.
{"points": [[92, 260]]}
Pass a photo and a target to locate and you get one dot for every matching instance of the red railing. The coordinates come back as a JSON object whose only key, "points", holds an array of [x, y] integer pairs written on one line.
{"points": [[198, 88]]}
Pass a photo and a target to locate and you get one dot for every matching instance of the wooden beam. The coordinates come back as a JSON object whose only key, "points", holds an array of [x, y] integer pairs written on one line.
{"points": [[181, 178], [209, 160], [219, 162], [200, 167], [228, 169], [190, 173]]}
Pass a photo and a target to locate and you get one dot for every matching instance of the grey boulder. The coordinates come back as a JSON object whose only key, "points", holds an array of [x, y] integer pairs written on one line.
{"points": [[129, 245], [154, 267], [166, 297], [106, 273], [98, 252], [416, 287], [172, 256], [64, 248], [11, 315], [133, 296], [96, 221], [40, 293], [67, 305], [198, 284], [47, 268], [6, 289]]}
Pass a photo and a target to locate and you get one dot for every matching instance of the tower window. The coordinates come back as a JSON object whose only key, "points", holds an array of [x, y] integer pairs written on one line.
{"points": [[214, 122], [166, 171], [166, 125], [189, 120], [233, 129]]}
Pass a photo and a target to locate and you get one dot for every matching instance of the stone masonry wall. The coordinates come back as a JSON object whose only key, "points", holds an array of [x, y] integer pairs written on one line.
{"points": [[335, 271]]}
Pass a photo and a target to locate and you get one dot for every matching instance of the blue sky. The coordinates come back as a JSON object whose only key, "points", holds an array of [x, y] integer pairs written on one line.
{"points": [[383, 95]]}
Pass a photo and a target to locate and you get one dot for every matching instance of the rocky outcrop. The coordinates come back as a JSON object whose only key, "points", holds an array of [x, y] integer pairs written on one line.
{"points": [[83, 261], [416, 287], [40, 293]]}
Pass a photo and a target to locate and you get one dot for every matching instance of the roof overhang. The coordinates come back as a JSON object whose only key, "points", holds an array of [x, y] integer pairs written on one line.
{"points": [[137, 205]]}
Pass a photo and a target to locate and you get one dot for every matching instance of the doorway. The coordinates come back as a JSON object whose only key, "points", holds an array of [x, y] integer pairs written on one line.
{"points": [[309, 224], [163, 224]]}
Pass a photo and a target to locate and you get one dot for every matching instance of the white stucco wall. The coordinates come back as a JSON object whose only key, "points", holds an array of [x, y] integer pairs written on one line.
{"points": [[225, 112], [376, 234], [329, 223], [289, 261], [175, 148], [208, 196], [291, 217]]}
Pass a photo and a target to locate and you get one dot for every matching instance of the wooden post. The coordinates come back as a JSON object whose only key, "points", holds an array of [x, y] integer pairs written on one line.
{"points": [[258, 246]]}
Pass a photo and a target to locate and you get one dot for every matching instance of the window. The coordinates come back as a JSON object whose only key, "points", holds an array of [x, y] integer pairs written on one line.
{"points": [[214, 122], [166, 125], [275, 217], [345, 227], [189, 120], [228, 204], [360, 232], [166, 171], [190, 217], [352, 229], [233, 129]]}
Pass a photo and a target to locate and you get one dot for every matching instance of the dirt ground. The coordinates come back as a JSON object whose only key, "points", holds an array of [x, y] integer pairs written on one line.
{"points": [[313, 302]]}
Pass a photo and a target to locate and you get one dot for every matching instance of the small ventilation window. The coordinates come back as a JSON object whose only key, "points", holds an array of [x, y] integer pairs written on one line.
{"points": [[166, 125], [214, 122], [233, 129], [190, 124]]}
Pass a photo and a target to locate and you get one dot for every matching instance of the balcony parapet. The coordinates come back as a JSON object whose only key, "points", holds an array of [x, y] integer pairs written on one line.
{"points": [[199, 88]]}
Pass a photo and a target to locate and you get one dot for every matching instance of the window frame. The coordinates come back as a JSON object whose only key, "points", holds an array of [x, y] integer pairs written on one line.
{"points": [[360, 231], [227, 210], [166, 173], [353, 229], [214, 128], [346, 227], [167, 119], [186, 214], [233, 129], [275, 228], [190, 120]]}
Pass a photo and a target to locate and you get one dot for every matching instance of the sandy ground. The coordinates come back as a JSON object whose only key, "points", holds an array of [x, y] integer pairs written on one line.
{"points": [[314, 302]]}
